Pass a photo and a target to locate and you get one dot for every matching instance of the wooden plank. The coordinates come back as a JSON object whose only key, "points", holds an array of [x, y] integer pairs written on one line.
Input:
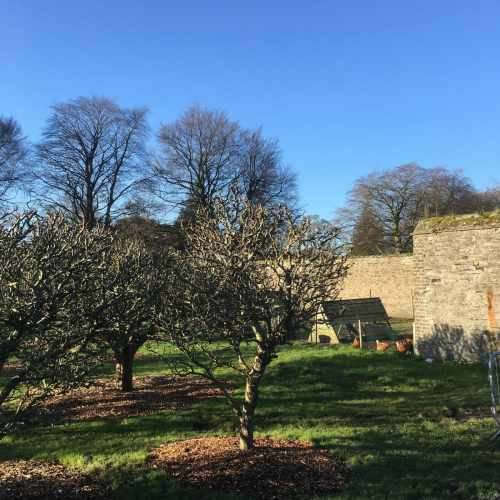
{"points": [[360, 330]]}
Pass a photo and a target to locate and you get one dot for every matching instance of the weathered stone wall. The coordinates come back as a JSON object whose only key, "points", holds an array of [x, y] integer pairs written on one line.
{"points": [[390, 277], [457, 288]]}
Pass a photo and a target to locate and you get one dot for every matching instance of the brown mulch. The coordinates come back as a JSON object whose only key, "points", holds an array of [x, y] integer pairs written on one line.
{"points": [[30, 479], [150, 395], [274, 469]]}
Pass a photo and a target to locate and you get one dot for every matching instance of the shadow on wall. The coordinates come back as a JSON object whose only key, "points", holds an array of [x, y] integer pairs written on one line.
{"points": [[451, 343]]}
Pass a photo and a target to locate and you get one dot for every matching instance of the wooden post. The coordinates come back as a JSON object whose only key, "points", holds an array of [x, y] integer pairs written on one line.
{"points": [[360, 331]]}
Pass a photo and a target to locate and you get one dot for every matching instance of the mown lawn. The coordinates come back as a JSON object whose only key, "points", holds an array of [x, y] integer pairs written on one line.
{"points": [[396, 420]]}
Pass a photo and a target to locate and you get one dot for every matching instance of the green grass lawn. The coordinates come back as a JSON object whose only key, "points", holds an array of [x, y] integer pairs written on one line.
{"points": [[391, 417]]}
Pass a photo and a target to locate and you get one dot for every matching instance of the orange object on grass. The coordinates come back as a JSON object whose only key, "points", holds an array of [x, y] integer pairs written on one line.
{"points": [[382, 345]]}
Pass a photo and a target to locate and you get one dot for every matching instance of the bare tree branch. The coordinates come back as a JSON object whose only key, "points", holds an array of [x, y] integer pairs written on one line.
{"points": [[249, 278], [205, 156], [91, 158], [13, 155]]}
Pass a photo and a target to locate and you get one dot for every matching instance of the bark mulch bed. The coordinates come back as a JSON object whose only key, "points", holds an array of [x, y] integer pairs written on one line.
{"points": [[150, 395], [274, 469], [30, 479]]}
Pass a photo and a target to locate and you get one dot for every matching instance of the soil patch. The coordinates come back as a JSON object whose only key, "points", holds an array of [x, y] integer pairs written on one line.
{"points": [[150, 395], [274, 469], [30, 479]]}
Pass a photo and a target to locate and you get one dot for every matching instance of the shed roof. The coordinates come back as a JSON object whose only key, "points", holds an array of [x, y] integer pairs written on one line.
{"points": [[367, 309]]}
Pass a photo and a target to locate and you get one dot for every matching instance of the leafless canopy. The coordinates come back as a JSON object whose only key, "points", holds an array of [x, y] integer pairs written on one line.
{"points": [[91, 158], [13, 153], [129, 286], [249, 279], [489, 199], [198, 152], [204, 156], [261, 176], [48, 307], [384, 207]]}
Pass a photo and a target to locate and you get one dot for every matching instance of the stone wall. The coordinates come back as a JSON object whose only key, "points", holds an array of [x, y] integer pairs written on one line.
{"points": [[457, 287], [390, 277]]}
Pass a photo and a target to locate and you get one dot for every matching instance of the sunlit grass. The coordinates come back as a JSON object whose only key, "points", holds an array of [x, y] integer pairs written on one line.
{"points": [[386, 414]]}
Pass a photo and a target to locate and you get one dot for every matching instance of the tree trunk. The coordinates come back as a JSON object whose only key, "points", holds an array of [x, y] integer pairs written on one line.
{"points": [[398, 244], [8, 388], [125, 368], [247, 414], [254, 376]]}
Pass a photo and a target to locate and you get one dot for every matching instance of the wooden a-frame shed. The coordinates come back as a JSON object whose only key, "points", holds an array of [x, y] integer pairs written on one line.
{"points": [[342, 319]]}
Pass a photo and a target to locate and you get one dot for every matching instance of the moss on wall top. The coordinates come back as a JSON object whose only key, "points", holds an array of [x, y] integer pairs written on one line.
{"points": [[353, 258], [451, 222]]}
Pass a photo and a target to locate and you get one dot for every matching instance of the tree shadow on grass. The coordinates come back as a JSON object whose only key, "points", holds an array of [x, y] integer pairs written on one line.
{"points": [[392, 463], [112, 440], [376, 386], [389, 415], [381, 411]]}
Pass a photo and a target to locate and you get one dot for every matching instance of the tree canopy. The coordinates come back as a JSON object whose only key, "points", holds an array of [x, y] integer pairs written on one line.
{"points": [[13, 155], [91, 158], [384, 207], [249, 278]]}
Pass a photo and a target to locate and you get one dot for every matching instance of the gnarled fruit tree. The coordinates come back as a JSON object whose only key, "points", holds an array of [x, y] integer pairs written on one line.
{"points": [[129, 286], [248, 280], [47, 307]]}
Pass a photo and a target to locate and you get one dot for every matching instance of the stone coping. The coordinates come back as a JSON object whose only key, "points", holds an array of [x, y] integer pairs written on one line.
{"points": [[467, 222]]}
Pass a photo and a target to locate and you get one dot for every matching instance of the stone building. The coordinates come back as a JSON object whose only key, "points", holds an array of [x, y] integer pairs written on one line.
{"points": [[457, 286], [449, 286]]}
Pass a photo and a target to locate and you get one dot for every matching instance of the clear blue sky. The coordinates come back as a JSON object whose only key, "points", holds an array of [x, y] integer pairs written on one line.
{"points": [[347, 86]]}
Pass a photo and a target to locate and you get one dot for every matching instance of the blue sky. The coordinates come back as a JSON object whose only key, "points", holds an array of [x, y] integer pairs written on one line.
{"points": [[347, 86]]}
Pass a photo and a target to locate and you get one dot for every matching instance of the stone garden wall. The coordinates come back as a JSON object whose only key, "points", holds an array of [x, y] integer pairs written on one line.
{"points": [[457, 286], [390, 277], [450, 285]]}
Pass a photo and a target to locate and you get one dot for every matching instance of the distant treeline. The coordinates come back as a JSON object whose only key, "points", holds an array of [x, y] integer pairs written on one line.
{"points": [[384, 207], [94, 163]]}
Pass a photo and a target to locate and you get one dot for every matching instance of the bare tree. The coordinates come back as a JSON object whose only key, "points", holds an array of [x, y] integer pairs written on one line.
{"points": [[129, 286], [13, 153], [396, 198], [206, 156], [261, 177], [384, 207], [249, 278], [489, 199], [198, 153], [91, 158], [448, 192], [48, 308]]}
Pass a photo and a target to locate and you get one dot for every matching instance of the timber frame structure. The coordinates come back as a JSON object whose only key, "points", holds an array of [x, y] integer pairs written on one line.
{"points": [[343, 319]]}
